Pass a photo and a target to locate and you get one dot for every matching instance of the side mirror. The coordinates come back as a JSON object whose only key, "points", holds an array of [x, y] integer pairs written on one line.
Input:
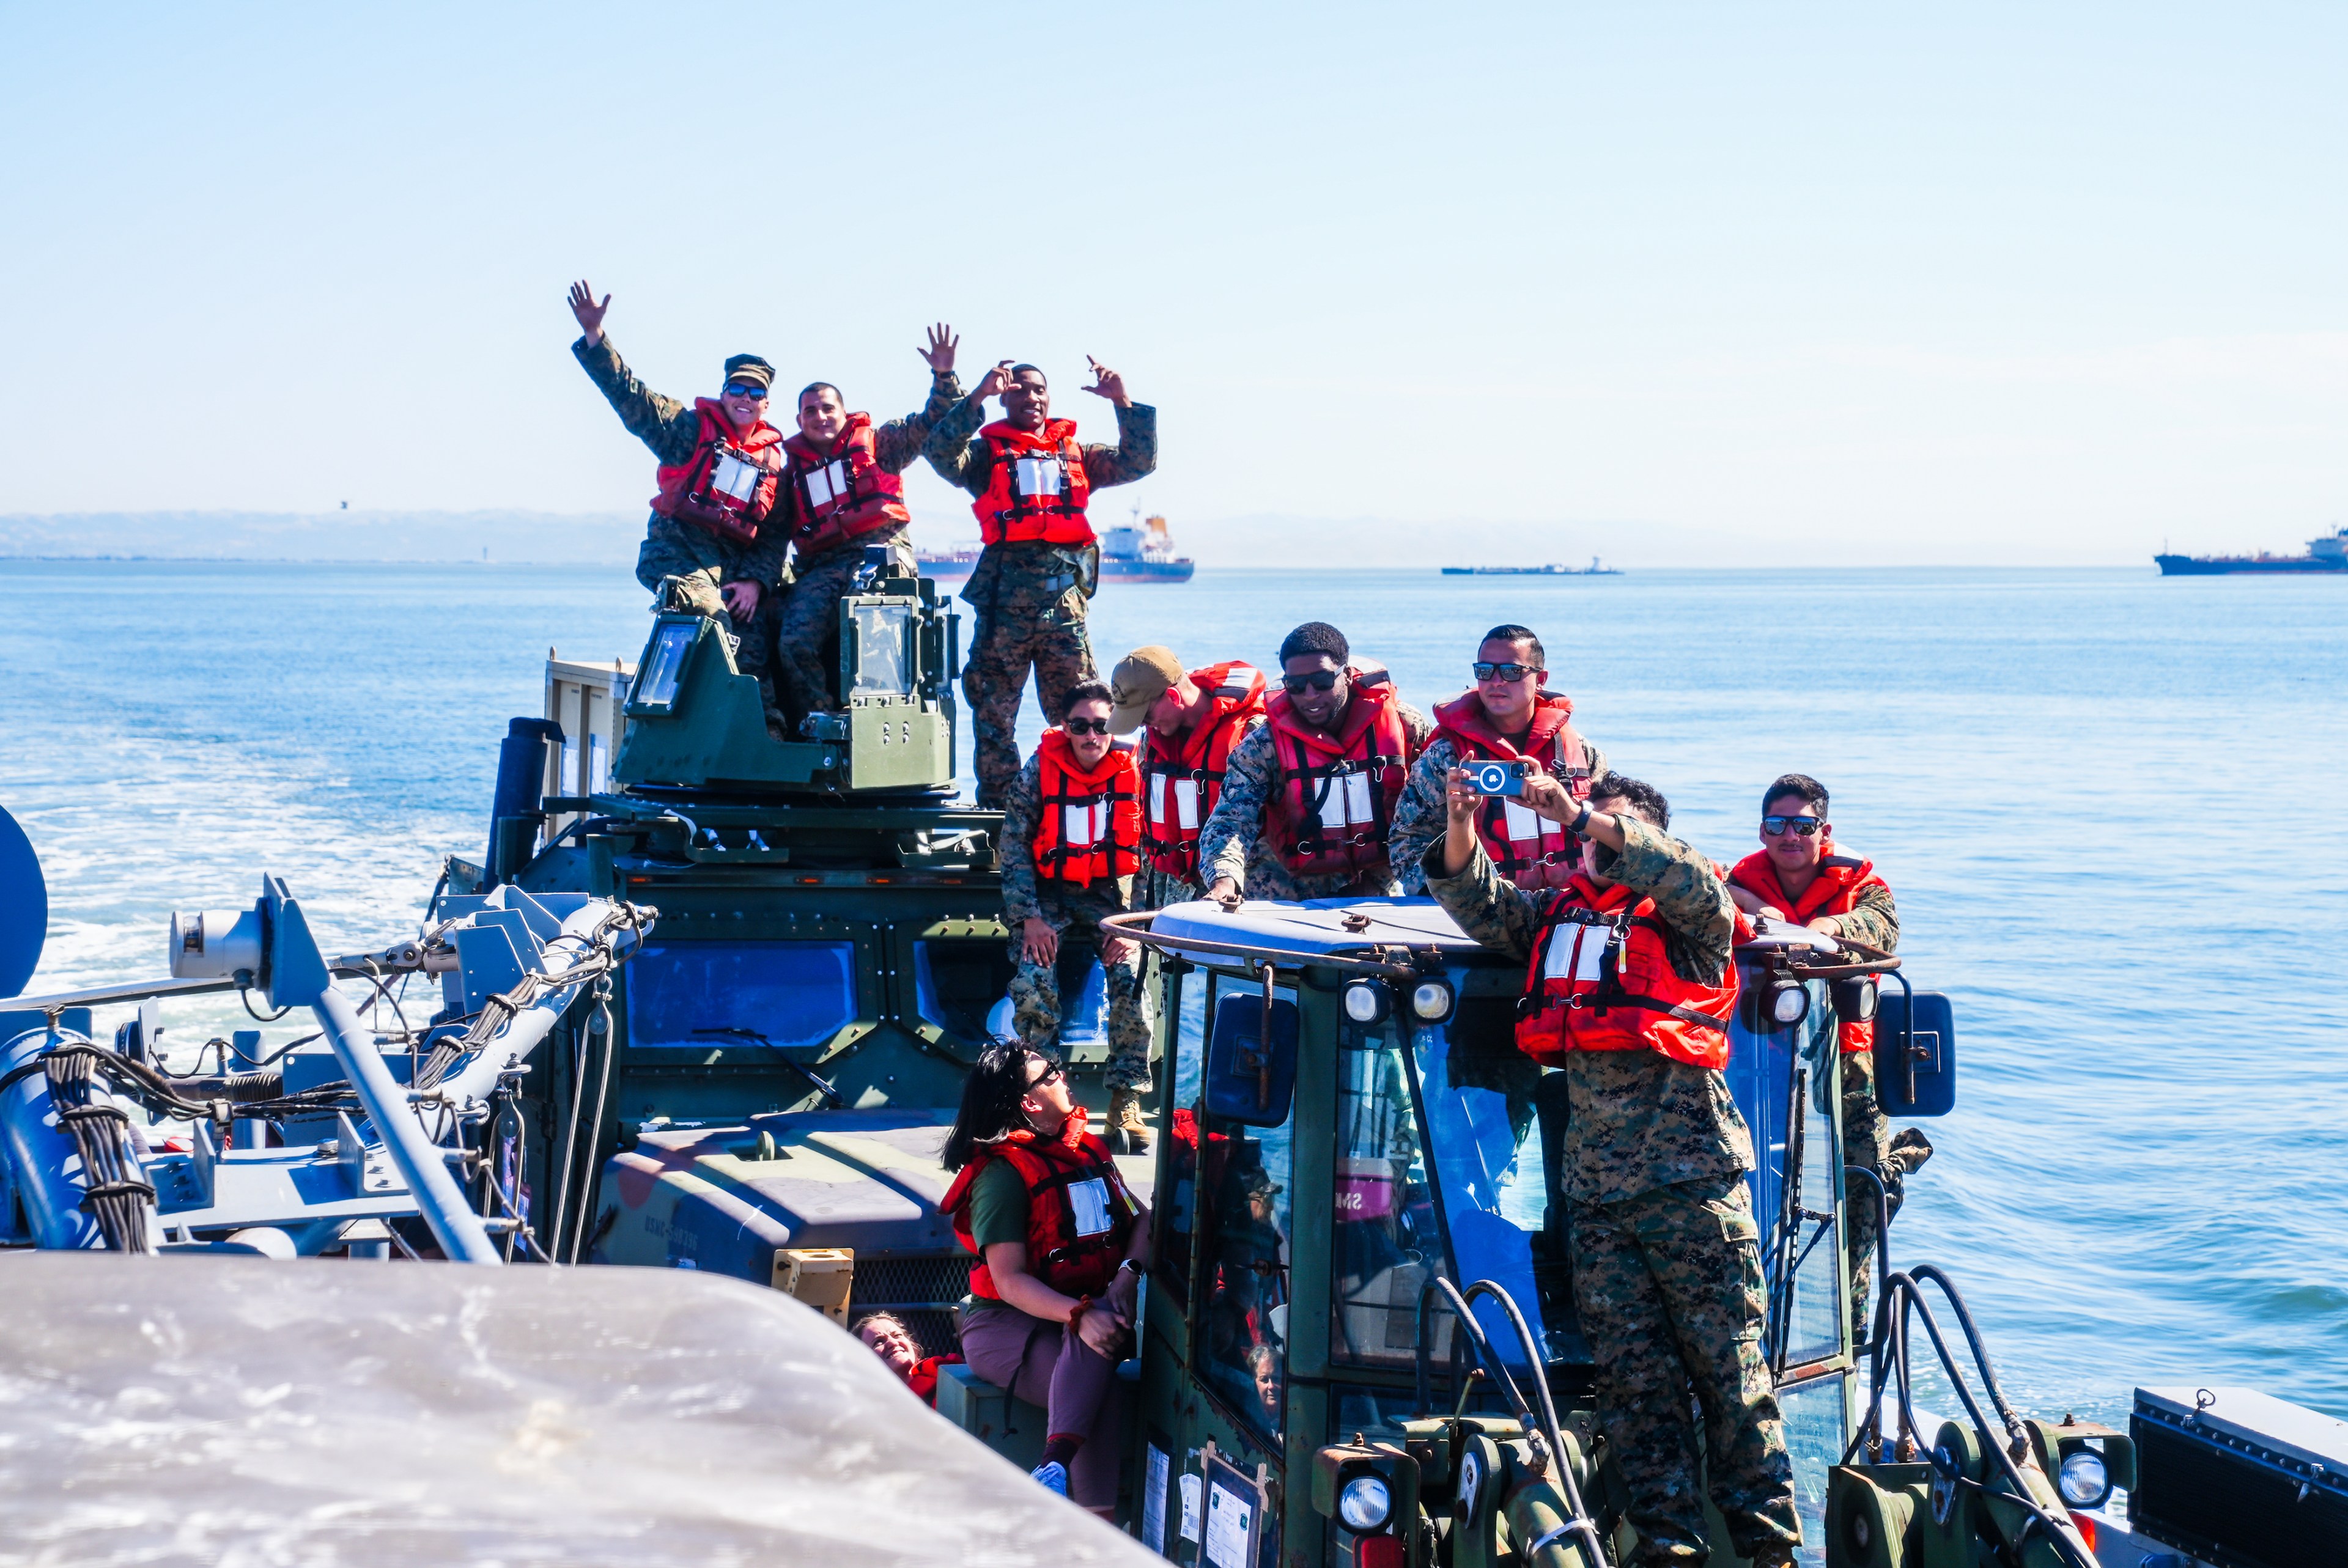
{"points": [[1915, 1054], [1249, 1080]]}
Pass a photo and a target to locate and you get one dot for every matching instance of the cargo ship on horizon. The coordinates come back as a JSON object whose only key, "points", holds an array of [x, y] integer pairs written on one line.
{"points": [[2327, 553], [1141, 552]]}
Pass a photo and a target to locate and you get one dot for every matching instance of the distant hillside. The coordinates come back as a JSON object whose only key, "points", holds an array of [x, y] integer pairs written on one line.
{"points": [[606, 537]]}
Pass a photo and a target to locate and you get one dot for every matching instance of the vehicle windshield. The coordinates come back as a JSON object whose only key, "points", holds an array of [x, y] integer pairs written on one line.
{"points": [[1459, 1165]]}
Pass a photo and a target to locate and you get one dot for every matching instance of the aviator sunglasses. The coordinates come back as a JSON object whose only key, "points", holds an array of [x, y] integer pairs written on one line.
{"points": [[1319, 680], [1086, 726], [1776, 826], [1504, 671]]}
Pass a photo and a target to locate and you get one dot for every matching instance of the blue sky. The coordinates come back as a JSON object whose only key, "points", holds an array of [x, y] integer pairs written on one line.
{"points": [[1670, 283]]}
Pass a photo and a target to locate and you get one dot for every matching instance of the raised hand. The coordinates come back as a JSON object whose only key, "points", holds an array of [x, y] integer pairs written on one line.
{"points": [[940, 354], [992, 384], [590, 313], [1108, 383]]}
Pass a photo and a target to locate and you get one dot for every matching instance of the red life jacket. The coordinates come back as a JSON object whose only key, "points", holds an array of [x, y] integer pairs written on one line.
{"points": [[1334, 798], [1600, 980], [1079, 1214], [1841, 879], [727, 485], [923, 1378], [842, 492], [1182, 779], [1089, 824], [1037, 487], [1527, 849]]}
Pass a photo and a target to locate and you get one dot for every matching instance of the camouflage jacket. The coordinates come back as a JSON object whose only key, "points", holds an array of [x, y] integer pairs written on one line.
{"points": [[968, 463], [1026, 895], [1232, 841], [672, 429], [1419, 815], [1639, 1119], [896, 444]]}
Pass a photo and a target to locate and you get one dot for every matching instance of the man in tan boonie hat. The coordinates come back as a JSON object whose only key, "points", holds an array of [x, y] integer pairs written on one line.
{"points": [[1190, 719], [1140, 678]]}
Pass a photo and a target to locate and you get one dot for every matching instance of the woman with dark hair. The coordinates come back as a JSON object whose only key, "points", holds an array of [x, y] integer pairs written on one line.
{"points": [[1059, 1240]]}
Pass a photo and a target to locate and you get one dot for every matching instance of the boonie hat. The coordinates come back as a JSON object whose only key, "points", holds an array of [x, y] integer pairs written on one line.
{"points": [[1140, 678], [749, 367]]}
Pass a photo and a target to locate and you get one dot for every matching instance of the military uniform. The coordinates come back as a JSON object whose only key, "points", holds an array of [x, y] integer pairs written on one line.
{"points": [[1232, 845], [1666, 1256], [810, 617], [1076, 913], [685, 567], [1419, 815], [1027, 600]]}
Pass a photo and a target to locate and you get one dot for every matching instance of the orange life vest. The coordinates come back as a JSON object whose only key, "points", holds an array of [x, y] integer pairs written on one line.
{"points": [[1527, 849], [1601, 980], [1334, 798], [843, 492], [1841, 879], [1182, 779], [727, 485], [1088, 823], [1037, 487], [1079, 1214]]}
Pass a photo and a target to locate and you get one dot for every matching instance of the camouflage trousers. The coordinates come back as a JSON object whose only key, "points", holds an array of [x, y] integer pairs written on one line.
{"points": [[1668, 1285], [1036, 991], [807, 636], [684, 567], [1028, 605], [1866, 1143]]}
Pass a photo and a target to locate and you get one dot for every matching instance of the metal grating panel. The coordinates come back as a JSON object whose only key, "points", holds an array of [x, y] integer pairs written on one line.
{"points": [[2231, 1503], [921, 1292]]}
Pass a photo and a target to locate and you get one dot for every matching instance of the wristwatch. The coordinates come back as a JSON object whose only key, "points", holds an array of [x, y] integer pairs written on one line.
{"points": [[1580, 822]]}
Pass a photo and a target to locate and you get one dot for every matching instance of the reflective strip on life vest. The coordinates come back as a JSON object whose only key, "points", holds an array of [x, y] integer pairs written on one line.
{"points": [[1040, 477], [1186, 801], [827, 484], [732, 476]]}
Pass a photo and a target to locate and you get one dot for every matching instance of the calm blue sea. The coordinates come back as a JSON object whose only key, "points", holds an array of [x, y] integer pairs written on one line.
{"points": [[2111, 806]]}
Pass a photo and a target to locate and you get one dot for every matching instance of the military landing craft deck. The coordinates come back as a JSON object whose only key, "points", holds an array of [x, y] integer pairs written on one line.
{"points": [[704, 1004]]}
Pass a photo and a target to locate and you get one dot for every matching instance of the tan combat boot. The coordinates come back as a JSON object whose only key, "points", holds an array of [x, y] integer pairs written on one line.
{"points": [[1125, 1117]]}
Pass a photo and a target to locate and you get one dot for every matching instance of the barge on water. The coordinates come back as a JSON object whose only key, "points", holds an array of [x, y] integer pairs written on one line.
{"points": [[1554, 568]]}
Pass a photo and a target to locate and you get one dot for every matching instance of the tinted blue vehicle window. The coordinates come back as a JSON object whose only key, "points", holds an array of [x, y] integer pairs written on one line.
{"points": [[794, 993]]}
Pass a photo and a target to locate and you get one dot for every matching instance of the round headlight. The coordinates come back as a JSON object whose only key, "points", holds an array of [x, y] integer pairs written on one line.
{"points": [[1365, 1001], [2085, 1481], [1789, 1004], [1430, 1000], [1364, 1504]]}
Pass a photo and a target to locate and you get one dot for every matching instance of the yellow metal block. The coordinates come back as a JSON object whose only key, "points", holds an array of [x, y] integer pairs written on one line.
{"points": [[822, 1277]]}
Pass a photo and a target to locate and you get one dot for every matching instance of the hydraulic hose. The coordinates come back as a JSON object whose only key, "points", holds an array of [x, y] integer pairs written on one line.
{"points": [[1545, 1424], [1905, 1288]]}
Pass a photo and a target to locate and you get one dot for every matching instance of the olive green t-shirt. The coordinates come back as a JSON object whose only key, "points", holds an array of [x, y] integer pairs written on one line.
{"points": [[998, 1213]]}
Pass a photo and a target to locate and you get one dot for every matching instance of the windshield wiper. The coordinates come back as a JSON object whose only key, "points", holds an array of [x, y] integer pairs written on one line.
{"points": [[832, 1097]]}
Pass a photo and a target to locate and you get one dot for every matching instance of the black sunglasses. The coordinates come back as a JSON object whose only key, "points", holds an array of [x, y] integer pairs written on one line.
{"points": [[1504, 671], [1319, 680], [1086, 726], [1776, 826], [737, 389], [1052, 1070]]}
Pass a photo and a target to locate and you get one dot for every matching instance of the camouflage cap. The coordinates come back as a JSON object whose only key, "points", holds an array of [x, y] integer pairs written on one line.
{"points": [[1140, 678], [748, 368]]}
